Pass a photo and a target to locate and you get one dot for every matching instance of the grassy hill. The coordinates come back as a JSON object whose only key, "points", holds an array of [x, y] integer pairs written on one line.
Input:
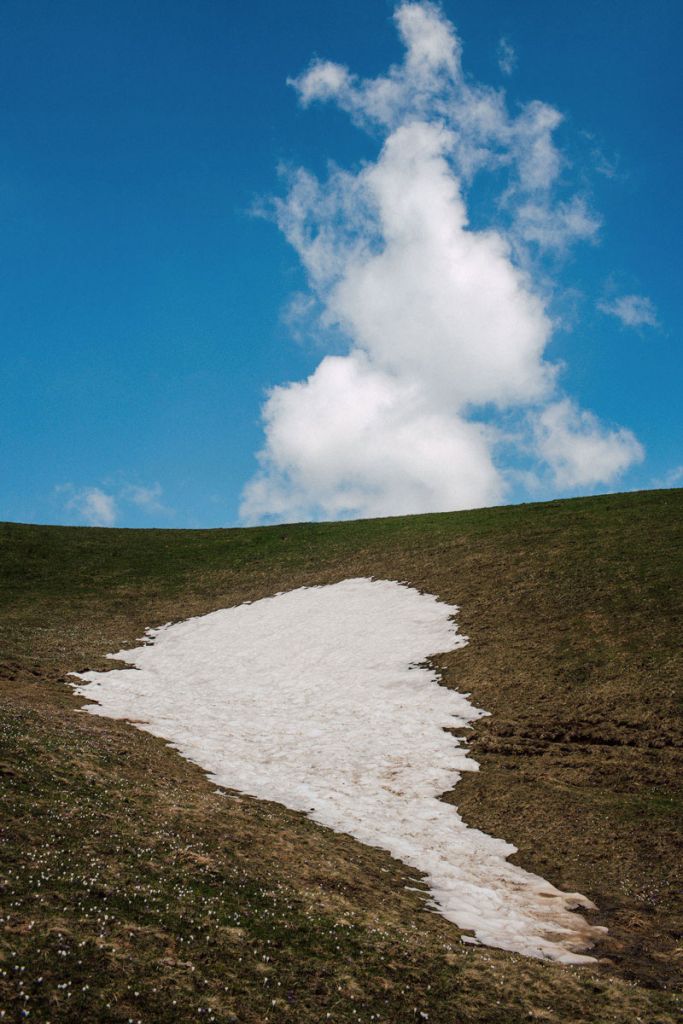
{"points": [[131, 891]]}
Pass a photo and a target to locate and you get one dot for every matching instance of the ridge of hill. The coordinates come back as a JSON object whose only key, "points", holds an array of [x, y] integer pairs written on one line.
{"points": [[131, 891]]}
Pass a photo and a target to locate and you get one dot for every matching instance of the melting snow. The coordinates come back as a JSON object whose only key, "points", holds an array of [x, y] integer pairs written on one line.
{"points": [[318, 699]]}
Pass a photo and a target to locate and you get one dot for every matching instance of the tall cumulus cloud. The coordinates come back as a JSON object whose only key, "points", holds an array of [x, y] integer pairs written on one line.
{"points": [[445, 326]]}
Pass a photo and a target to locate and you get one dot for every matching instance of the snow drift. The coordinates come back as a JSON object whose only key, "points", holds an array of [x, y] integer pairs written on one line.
{"points": [[319, 698]]}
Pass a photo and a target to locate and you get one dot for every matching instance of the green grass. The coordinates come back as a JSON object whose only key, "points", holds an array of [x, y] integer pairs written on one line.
{"points": [[134, 892]]}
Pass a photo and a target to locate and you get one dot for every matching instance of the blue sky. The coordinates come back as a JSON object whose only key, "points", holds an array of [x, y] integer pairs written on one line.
{"points": [[146, 310]]}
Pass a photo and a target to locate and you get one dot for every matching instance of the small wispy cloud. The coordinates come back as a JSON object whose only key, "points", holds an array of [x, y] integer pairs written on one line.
{"points": [[579, 450], [557, 228], [607, 166], [298, 315], [507, 56], [96, 506], [145, 498], [632, 310], [672, 478]]}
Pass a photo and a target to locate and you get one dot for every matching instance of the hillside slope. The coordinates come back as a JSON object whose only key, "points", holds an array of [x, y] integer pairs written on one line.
{"points": [[131, 891]]}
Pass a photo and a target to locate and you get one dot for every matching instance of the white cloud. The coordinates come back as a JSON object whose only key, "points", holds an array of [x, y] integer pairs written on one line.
{"points": [[579, 450], [507, 58], [672, 478], [94, 506], [98, 507], [323, 80], [444, 325], [430, 83], [556, 227], [145, 498], [424, 297], [298, 314], [632, 310], [353, 440], [537, 158]]}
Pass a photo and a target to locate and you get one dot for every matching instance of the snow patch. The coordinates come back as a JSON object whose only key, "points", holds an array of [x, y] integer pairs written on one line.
{"points": [[319, 699]]}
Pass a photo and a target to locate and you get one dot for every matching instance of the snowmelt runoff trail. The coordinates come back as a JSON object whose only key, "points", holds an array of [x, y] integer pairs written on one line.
{"points": [[316, 698]]}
